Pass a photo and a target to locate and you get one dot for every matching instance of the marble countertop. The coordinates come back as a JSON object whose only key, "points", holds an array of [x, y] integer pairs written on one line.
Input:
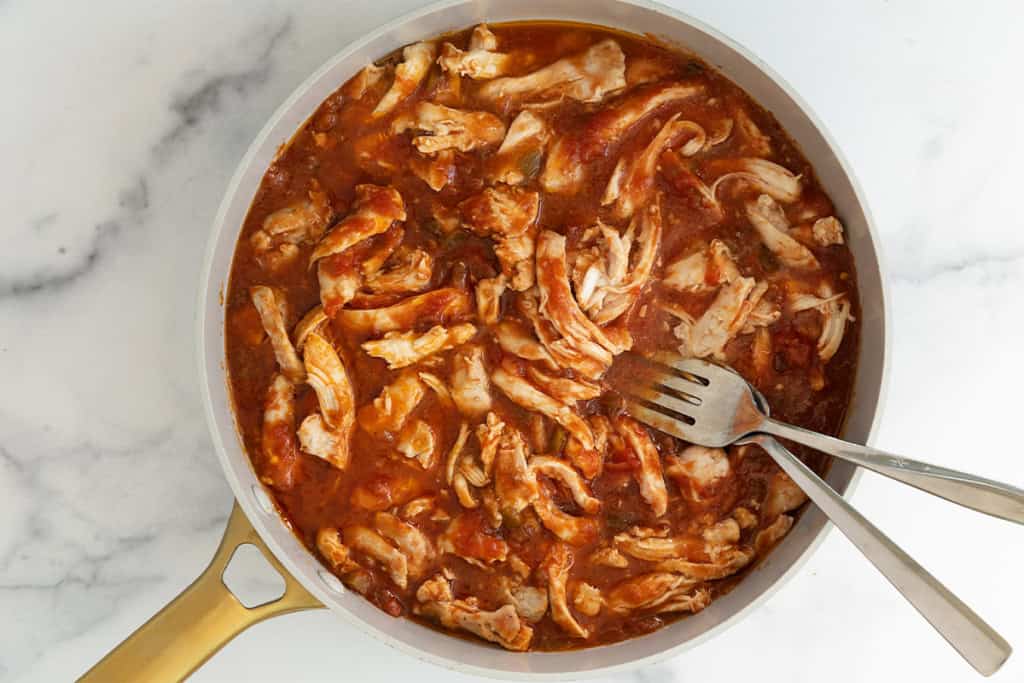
{"points": [[120, 127]]}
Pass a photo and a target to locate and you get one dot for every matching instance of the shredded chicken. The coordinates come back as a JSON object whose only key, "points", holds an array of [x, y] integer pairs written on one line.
{"points": [[587, 599], [608, 284], [559, 306], [576, 531], [835, 314], [783, 496], [724, 319], [411, 542], [563, 389], [586, 77], [513, 338], [337, 554], [522, 151], [317, 438], [515, 483], [272, 307], [508, 215], [697, 470], [417, 441], [562, 353], [389, 411], [277, 241], [438, 306], [661, 591], [632, 183], [763, 176], [827, 231], [367, 541], [556, 568], [772, 227], [569, 156], [467, 537], [417, 60], [488, 298], [313, 321], [326, 374], [609, 557], [277, 444], [526, 395], [368, 77], [471, 388], [374, 210], [449, 128], [436, 170], [649, 476], [529, 601], [569, 478], [409, 270], [402, 349], [705, 270], [502, 626], [480, 61]]}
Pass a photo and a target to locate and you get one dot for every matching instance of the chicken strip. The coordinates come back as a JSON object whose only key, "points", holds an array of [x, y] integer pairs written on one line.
{"points": [[374, 210], [417, 60], [408, 271], [697, 470], [556, 566], [326, 374], [660, 591], [526, 395], [481, 61], [411, 542], [559, 306], [277, 241], [402, 349], [570, 155], [277, 442], [448, 128], [569, 478], [632, 181], [508, 215], [471, 388], [389, 411], [367, 541], [772, 227], [522, 151], [502, 626], [649, 476], [319, 439], [440, 306], [272, 307], [586, 77], [488, 298], [513, 338], [515, 483], [760, 174], [705, 270]]}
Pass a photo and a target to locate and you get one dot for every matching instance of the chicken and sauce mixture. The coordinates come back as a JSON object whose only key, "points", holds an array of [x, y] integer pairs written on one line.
{"points": [[436, 275]]}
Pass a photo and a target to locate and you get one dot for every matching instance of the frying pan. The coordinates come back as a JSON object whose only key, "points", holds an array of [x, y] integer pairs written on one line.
{"points": [[207, 615]]}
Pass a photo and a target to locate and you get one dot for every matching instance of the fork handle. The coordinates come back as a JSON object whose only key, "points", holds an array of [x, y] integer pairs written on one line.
{"points": [[976, 641], [984, 495]]}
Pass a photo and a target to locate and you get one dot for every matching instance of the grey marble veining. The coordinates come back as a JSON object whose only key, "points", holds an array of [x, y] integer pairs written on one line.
{"points": [[123, 124]]}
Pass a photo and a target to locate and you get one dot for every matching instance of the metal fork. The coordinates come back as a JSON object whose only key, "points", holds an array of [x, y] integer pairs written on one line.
{"points": [[713, 406]]}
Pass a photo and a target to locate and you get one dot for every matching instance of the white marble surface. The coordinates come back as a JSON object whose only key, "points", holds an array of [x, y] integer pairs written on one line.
{"points": [[120, 125]]}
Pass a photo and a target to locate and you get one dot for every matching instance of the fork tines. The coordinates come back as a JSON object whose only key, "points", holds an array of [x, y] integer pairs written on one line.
{"points": [[662, 390]]}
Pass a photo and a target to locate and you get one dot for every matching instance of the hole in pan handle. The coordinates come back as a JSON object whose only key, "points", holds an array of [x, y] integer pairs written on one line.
{"points": [[201, 620]]}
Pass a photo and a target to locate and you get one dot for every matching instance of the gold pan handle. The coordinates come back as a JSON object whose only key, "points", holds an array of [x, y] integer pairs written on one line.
{"points": [[200, 620]]}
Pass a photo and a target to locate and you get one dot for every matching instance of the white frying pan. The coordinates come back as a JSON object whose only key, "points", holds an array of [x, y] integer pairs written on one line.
{"points": [[203, 618]]}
